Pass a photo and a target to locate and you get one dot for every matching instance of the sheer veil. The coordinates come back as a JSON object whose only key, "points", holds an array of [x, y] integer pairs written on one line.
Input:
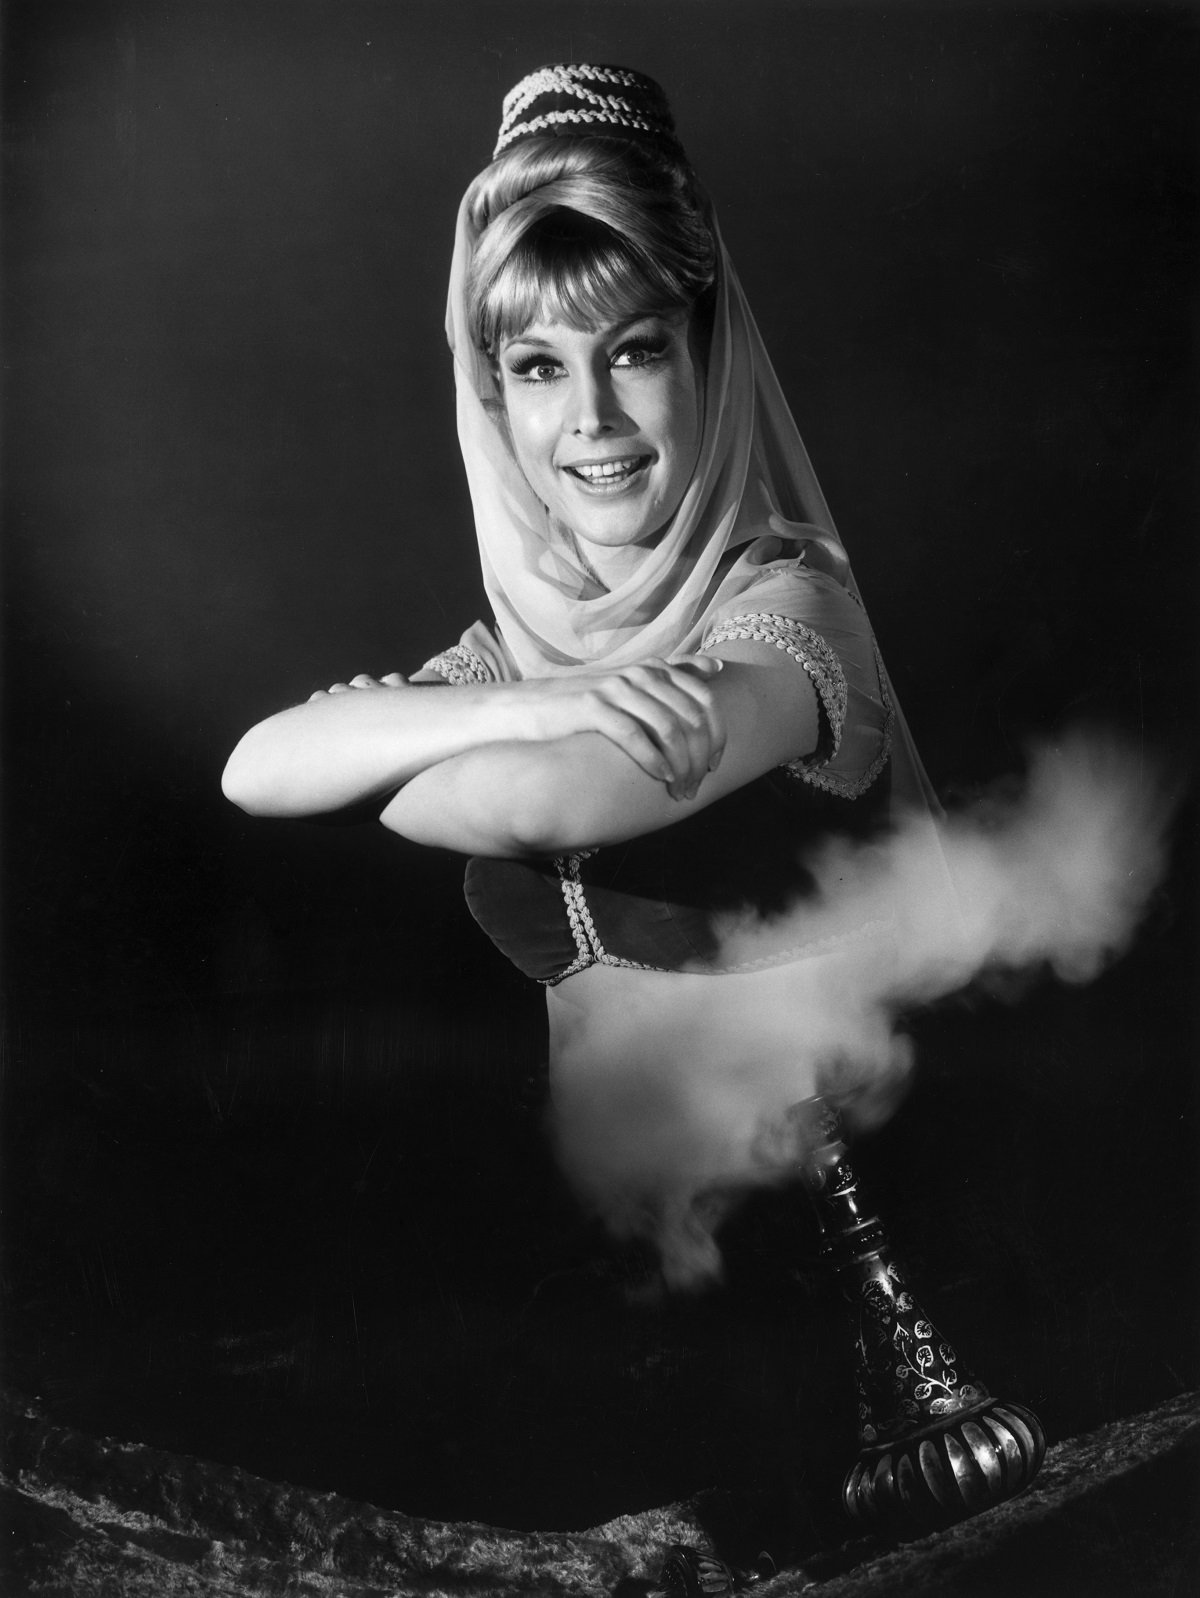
{"points": [[752, 464]]}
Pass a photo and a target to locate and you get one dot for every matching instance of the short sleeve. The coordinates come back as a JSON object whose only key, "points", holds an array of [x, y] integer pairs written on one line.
{"points": [[824, 628], [479, 657]]}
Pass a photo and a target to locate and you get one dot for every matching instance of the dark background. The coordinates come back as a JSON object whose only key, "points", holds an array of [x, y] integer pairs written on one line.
{"points": [[276, 1191]]}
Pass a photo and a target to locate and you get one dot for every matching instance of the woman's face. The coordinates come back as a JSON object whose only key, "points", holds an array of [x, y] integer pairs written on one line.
{"points": [[605, 423]]}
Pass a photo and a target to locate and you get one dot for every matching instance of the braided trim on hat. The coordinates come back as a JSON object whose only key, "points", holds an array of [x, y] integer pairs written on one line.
{"points": [[643, 109], [569, 79], [552, 119]]}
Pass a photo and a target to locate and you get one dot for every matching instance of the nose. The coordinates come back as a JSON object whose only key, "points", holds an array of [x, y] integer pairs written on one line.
{"points": [[594, 411]]}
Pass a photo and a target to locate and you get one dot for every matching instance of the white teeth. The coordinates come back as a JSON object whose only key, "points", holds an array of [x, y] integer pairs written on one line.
{"points": [[605, 470]]}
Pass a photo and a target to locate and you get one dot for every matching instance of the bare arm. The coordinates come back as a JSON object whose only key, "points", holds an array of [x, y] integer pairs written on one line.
{"points": [[345, 746], [583, 790]]}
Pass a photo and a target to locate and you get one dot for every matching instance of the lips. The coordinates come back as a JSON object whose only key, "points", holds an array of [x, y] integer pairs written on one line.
{"points": [[606, 475]]}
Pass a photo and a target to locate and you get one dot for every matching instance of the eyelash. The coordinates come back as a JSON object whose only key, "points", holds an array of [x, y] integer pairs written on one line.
{"points": [[653, 348]]}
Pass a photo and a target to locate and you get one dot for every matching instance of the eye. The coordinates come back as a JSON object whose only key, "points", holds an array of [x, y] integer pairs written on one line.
{"points": [[640, 352], [537, 368]]}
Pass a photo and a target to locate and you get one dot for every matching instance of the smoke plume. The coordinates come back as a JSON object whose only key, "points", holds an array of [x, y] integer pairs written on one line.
{"points": [[666, 1112]]}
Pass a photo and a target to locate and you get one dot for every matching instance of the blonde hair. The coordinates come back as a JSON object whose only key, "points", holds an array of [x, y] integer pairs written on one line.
{"points": [[586, 231]]}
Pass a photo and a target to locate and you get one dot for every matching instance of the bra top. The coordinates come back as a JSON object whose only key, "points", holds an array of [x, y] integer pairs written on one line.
{"points": [[656, 903]]}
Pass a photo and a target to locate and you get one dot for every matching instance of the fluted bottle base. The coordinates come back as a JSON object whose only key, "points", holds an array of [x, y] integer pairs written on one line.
{"points": [[936, 1445], [946, 1471]]}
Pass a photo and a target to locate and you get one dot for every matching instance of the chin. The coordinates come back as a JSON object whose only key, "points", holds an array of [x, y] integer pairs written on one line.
{"points": [[620, 537], [620, 527]]}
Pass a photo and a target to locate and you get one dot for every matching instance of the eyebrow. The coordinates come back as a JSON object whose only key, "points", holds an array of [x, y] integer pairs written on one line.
{"points": [[536, 339]]}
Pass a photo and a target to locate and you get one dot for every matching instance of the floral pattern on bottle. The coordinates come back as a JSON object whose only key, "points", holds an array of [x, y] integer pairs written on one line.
{"points": [[908, 1373]]}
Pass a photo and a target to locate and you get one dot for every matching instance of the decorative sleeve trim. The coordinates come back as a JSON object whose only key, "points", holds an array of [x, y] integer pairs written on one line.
{"points": [[813, 654], [854, 787], [851, 790], [460, 666], [823, 667]]}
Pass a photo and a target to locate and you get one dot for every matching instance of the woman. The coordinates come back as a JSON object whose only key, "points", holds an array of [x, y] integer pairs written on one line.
{"points": [[681, 690]]}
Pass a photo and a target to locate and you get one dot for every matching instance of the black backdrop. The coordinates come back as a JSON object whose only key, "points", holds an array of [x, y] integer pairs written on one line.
{"points": [[968, 232]]}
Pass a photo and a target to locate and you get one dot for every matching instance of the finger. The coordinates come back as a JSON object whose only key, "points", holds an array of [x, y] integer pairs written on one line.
{"points": [[321, 693], [678, 726], [692, 673], [691, 700], [698, 665], [700, 690], [340, 688], [690, 742], [649, 733], [697, 745], [394, 679], [632, 738], [364, 680]]}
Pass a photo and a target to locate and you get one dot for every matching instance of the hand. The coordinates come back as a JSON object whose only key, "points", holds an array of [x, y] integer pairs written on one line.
{"points": [[661, 713], [363, 680]]}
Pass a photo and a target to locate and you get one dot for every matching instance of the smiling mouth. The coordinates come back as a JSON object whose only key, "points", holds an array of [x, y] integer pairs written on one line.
{"points": [[608, 475]]}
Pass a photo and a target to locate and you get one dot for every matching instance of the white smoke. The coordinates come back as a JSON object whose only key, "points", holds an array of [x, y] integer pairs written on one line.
{"points": [[665, 1112]]}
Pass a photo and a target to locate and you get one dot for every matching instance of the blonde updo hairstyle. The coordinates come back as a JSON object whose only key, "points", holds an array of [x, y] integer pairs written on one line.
{"points": [[588, 230]]}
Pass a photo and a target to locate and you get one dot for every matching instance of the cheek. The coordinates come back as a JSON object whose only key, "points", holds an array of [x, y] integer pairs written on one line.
{"points": [[684, 425], [525, 434]]}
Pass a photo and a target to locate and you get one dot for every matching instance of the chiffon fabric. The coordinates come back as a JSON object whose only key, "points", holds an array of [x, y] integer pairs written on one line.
{"points": [[550, 614]]}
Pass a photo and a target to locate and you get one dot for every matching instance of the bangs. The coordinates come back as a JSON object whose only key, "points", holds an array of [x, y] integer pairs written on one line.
{"points": [[571, 269]]}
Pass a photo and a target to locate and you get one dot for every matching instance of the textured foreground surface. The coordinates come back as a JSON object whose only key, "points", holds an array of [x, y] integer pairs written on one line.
{"points": [[1114, 1512]]}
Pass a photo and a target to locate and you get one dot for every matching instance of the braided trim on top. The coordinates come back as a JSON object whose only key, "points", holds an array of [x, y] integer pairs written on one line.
{"points": [[589, 949], [809, 949], [811, 651], [460, 666], [577, 917]]}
